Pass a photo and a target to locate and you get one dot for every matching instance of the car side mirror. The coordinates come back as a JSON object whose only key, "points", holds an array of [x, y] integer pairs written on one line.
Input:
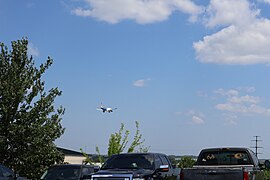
{"points": [[96, 169], [163, 168], [86, 176], [267, 164]]}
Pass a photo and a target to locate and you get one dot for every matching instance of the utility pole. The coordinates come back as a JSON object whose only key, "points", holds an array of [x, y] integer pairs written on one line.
{"points": [[256, 145]]}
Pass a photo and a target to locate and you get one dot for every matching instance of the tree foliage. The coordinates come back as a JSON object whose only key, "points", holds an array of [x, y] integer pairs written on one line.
{"points": [[186, 162], [136, 140], [266, 173], [92, 160], [100, 158], [118, 141], [87, 160], [29, 122]]}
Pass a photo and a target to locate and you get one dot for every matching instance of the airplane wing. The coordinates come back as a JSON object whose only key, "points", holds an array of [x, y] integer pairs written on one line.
{"points": [[103, 110]]}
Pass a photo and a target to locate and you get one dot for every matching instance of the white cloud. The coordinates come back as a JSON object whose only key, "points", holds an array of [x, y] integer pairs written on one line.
{"points": [[236, 45], [141, 82], [244, 99], [229, 12], [188, 7], [242, 36], [245, 38], [266, 1], [244, 104], [241, 108], [223, 92], [32, 50], [197, 120], [248, 89], [150, 11], [194, 118]]}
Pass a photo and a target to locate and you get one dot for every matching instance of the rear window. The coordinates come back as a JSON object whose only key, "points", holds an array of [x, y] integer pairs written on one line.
{"points": [[130, 161], [224, 157], [62, 172]]}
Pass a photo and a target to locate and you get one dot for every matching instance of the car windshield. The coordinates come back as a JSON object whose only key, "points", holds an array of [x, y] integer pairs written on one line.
{"points": [[129, 161], [224, 157], [62, 172]]}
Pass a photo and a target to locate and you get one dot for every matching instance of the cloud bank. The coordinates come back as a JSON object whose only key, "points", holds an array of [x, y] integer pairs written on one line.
{"points": [[237, 103], [244, 38], [142, 11], [241, 36], [141, 82], [193, 117]]}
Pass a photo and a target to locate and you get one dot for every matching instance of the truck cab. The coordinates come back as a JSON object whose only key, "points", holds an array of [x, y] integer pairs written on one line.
{"points": [[226, 164], [137, 166]]}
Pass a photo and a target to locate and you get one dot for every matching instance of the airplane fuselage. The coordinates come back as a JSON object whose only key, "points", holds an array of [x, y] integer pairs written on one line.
{"points": [[109, 110]]}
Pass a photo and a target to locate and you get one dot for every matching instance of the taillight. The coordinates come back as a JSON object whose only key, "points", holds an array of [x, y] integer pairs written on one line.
{"points": [[181, 175], [246, 177]]}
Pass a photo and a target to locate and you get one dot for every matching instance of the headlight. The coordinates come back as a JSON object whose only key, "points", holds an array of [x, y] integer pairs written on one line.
{"points": [[138, 179]]}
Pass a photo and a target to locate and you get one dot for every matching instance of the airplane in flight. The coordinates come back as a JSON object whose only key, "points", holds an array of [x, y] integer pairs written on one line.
{"points": [[106, 109]]}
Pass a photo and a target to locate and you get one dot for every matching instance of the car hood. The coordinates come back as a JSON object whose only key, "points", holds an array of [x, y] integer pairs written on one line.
{"points": [[134, 172]]}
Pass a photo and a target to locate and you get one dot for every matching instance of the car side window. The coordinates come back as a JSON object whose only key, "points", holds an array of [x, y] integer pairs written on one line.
{"points": [[165, 160], [6, 172], [254, 158], [158, 161]]}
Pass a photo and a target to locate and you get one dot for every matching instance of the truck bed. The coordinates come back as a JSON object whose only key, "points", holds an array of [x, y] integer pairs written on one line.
{"points": [[214, 173]]}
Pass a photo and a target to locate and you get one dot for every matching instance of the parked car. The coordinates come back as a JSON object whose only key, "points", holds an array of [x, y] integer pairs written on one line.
{"points": [[226, 164], [69, 172], [137, 166], [7, 174]]}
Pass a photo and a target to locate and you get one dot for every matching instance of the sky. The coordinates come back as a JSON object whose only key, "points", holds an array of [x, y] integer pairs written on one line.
{"points": [[193, 73]]}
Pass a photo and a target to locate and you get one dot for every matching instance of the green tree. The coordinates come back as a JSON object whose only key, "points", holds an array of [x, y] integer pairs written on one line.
{"points": [[266, 173], [118, 141], [87, 160], [29, 122], [186, 162], [136, 140], [93, 159], [100, 158]]}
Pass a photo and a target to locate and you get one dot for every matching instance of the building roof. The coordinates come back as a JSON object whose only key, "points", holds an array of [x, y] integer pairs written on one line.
{"points": [[69, 152]]}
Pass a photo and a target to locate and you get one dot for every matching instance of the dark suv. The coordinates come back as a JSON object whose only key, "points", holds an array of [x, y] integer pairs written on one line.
{"points": [[8, 174], [69, 172]]}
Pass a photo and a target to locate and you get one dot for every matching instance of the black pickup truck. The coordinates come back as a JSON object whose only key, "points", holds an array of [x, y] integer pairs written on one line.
{"points": [[137, 166], [226, 164]]}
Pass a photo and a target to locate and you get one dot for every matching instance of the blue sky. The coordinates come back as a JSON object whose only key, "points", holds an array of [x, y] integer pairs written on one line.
{"points": [[193, 73]]}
